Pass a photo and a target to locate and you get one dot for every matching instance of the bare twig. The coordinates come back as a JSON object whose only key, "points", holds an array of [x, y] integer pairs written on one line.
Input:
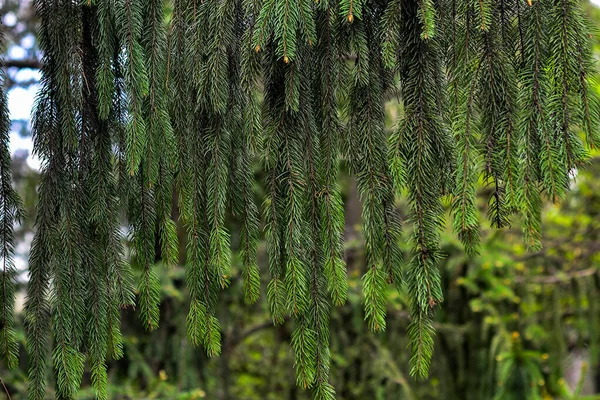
{"points": [[558, 278], [5, 389], [31, 63], [240, 337]]}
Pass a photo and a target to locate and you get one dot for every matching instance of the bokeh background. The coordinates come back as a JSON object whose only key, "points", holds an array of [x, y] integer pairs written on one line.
{"points": [[514, 325]]}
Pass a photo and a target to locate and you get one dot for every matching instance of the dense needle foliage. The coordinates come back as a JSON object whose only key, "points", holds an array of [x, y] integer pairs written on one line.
{"points": [[155, 108], [10, 213]]}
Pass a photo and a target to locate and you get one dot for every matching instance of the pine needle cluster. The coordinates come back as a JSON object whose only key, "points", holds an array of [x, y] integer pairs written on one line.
{"points": [[150, 106]]}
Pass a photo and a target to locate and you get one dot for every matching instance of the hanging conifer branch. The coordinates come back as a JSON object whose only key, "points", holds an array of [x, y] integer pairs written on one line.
{"points": [[330, 204], [369, 161], [160, 133], [137, 105], [483, 10], [537, 148], [273, 216], [180, 91], [129, 20], [11, 212], [417, 141], [250, 145], [565, 34], [590, 103], [497, 97], [66, 296], [94, 133], [292, 178], [105, 77], [463, 84], [318, 310]]}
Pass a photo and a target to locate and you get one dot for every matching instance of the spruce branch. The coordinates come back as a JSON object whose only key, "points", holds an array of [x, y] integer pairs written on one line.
{"points": [[139, 106]]}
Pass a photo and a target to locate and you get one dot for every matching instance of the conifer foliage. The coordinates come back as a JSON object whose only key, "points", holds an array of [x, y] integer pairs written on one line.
{"points": [[151, 106], [10, 213]]}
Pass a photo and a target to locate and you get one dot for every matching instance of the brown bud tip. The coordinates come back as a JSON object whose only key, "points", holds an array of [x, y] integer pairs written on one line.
{"points": [[529, 3], [310, 43], [257, 48], [432, 302], [350, 18], [286, 59]]}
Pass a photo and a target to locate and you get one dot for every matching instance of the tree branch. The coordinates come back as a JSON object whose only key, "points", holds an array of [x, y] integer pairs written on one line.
{"points": [[558, 278], [236, 339], [30, 63]]}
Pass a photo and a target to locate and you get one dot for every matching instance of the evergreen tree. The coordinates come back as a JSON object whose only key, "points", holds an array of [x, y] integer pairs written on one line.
{"points": [[147, 101]]}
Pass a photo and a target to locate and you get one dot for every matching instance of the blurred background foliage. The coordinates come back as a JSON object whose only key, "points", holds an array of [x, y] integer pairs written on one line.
{"points": [[514, 325]]}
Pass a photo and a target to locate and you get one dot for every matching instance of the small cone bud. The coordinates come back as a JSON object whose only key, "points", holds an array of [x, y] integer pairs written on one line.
{"points": [[529, 3], [350, 18], [286, 59], [257, 48]]}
